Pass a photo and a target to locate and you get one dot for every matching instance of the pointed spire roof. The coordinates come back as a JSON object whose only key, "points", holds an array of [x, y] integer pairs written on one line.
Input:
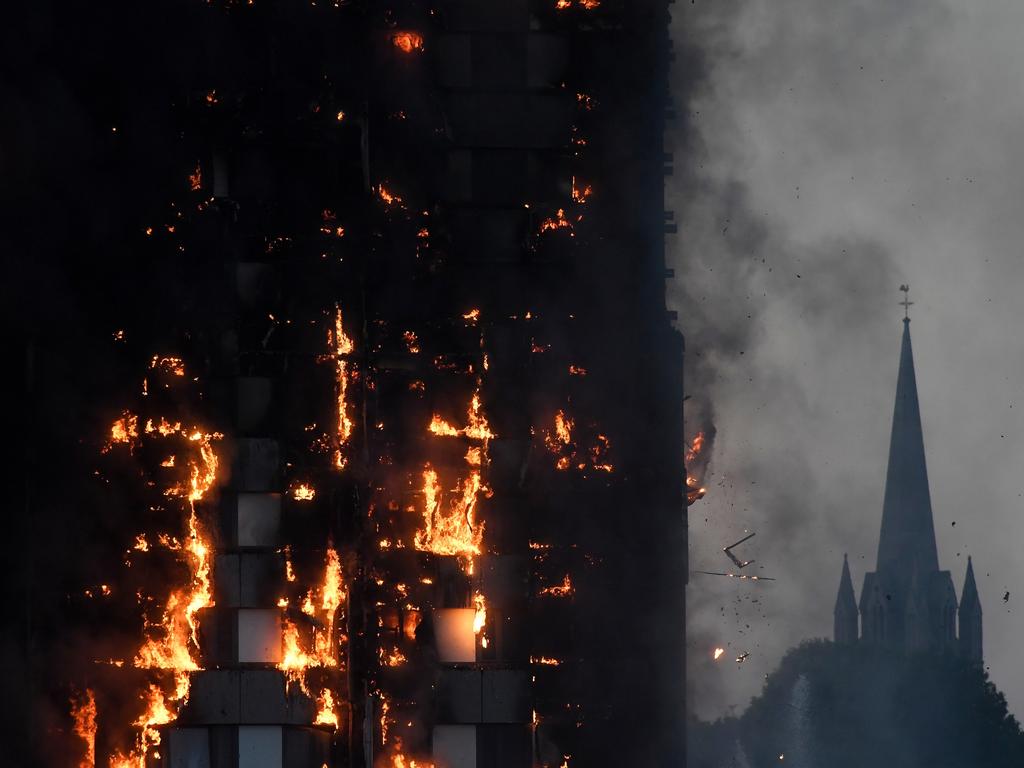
{"points": [[969, 600], [845, 600], [907, 541]]}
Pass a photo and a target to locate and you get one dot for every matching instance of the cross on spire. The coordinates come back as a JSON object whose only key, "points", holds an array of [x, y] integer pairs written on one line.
{"points": [[906, 303]]}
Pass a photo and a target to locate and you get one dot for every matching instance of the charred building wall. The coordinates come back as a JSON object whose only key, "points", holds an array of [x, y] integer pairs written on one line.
{"points": [[410, 411]]}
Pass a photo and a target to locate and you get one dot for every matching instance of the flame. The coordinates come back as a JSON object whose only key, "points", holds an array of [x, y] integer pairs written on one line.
{"points": [[451, 531], [695, 448], [83, 713], [718, 653], [384, 707], [326, 714], [295, 660], [195, 179], [124, 430], [559, 590], [303, 492], [581, 193], [480, 617], [388, 197], [558, 221], [546, 661], [407, 42], [342, 345], [156, 713], [411, 342]]}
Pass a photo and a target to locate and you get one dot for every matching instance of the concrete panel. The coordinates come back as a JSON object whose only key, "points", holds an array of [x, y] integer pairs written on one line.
{"points": [[227, 583], [506, 696], [455, 746], [253, 397], [187, 748], [458, 696], [259, 635], [213, 698], [259, 519], [306, 748], [256, 464], [261, 577], [260, 746]]}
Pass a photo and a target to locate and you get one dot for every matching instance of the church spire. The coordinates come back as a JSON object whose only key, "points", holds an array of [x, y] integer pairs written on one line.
{"points": [[844, 627], [907, 541], [970, 617]]}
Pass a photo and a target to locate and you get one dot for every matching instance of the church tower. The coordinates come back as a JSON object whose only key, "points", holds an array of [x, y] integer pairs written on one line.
{"points": [[845, 614], [907, 603], [970, 618]]}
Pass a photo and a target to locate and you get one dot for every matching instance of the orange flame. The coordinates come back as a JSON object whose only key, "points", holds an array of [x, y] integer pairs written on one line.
{"points": [[83, 712], [342, 346], [326, 714], [407, 42]]}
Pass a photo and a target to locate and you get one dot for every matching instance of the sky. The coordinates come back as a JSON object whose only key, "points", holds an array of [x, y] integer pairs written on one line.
{"points": [[825, 154]]}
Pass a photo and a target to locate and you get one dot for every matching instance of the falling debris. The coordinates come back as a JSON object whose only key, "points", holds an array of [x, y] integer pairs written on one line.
{"points": [[736, 561]]}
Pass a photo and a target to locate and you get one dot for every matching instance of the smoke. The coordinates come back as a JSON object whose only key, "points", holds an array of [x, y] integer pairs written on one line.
{"points": [[784, 320]]}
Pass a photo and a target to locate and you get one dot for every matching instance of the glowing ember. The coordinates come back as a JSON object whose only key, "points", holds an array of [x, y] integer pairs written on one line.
{"points": [[342, 346], [83, 713], [545, 661], [718, 653], [559, 590], [195, 179], [407, 42]]}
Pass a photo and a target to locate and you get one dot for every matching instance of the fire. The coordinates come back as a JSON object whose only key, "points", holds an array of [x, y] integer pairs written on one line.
{"points": [[394, 659], [411, 342], [718, 653], [407, 42], [303, 492], [545, 661], [559, 590], [452, 531], [472, 316], [326, 714], [342, 346], [476, 427], [124, 430], [480, 617], [177, 630], [558, 221], [195, 179], [580, 193], [157, 713], [388, 197], [83, 712], [295, 660], [694, 450]]}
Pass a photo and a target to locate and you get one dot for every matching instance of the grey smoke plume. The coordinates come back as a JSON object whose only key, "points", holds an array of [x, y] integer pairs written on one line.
{"points": [[830, 153]]}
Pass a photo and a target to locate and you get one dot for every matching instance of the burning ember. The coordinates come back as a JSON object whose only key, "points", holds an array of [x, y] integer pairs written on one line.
{"points": [[718, 653], [559, 590]]}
